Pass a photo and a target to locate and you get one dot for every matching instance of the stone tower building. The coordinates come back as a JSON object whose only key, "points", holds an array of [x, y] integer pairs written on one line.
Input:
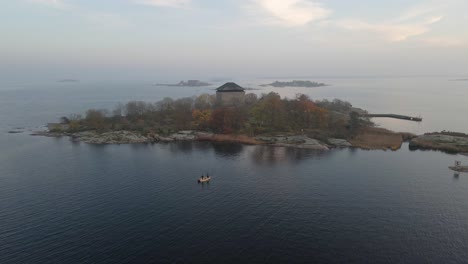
{"points": [[230, 94]]}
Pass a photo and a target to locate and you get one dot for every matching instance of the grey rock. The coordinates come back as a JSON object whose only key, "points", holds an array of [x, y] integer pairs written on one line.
{"points": [[166, 139], [114, 137], [338, 142], [187, 136], [297, 141]]}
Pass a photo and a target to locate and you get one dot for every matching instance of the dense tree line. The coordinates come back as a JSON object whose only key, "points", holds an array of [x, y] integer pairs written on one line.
{"points": [[267, 114]]}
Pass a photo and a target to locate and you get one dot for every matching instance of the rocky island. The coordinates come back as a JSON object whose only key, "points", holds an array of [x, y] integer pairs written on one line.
{"points": [[68, 81], [189, 83], [307, 84], [266, 120], [450, 142]]}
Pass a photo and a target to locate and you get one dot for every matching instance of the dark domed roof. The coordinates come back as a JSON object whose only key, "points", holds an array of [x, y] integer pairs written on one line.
{"points": [[230, 87]]}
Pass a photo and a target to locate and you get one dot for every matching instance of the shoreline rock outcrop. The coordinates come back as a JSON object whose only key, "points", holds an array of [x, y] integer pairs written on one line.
{"points": [[293, 141], [129, 137], [448, 142], [369, 139]]}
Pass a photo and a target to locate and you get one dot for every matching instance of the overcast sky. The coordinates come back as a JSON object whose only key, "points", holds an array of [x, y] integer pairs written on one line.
{"points": [[181, 39]]}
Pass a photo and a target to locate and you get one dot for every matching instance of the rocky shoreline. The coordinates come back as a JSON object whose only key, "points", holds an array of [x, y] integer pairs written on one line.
{"points": [[370, 140], [128, 137]]}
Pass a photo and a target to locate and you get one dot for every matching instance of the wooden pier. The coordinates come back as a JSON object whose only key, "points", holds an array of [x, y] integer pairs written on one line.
{"points": [[403, 117]]}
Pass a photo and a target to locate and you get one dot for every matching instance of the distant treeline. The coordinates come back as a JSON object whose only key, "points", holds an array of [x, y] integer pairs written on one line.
{"points": [[268, 113]]}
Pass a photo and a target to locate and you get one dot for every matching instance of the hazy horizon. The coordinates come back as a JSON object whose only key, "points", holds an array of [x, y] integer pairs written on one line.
{"points": [[199, 39]]}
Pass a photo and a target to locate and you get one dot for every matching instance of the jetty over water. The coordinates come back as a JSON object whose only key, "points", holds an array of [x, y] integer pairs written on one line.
{"points": [[403, 117]]}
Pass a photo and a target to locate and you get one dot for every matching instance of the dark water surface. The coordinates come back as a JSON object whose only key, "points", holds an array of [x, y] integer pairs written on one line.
{"points": [[63, 202], [77, 203]]}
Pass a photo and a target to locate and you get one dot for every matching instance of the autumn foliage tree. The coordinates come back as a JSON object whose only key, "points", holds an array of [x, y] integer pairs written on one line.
{"points": [[311, 116], [222, 120], [202, 118], [96, 119], [269, 112]]}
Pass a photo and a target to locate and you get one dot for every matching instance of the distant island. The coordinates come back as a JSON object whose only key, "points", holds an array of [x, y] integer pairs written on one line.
{"points": [[460, 80], [68, 81], [295, 83], [189, 83]]}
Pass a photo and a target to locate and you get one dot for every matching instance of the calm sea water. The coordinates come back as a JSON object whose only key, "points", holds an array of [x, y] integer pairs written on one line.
{"points": [[64, 202]]}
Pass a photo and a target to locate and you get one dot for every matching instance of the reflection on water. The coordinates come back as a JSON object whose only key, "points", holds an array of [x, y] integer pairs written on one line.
{"points": [[260, 155], [227, 149], [205, 185], [268, 155], [182, 146], [221, 149]]}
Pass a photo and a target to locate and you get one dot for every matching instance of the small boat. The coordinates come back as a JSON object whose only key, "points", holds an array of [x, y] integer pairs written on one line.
{"points": [[204, 179], [458, 167]]}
